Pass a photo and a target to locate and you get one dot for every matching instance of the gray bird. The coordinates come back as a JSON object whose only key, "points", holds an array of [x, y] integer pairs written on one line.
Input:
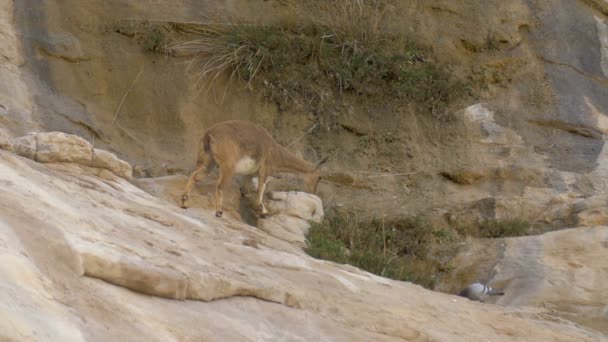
{"points": [[479, 292]]}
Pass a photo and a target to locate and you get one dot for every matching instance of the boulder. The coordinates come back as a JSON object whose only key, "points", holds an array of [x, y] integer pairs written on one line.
{"points": [[5, 140], [563, 272], [59, 147], [107, 160], [25, 146], [290, 215]]}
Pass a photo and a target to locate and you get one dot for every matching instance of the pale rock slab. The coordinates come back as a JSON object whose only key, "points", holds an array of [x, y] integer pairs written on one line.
{"points": [[59, 147], [290, 214], [99, 259], [562, 271], [29, 310], [286, 228], [5, 140], [63, 45], [602, 31], [482, 119], [53, 147], [107, 160], [25, 146], [299, 204]]}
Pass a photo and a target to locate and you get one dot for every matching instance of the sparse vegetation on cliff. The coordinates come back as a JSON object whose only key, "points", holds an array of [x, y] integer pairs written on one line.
{"points": [[311, 65], [403, 250], [410, 249], [493, 228]]}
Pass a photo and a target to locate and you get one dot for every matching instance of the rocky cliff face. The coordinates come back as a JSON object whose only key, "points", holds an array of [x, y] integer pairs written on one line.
{"points": [[90, 256], [534, 137]]}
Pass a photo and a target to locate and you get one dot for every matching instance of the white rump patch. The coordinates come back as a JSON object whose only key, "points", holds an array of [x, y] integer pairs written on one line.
{"points": [[246, 166]]}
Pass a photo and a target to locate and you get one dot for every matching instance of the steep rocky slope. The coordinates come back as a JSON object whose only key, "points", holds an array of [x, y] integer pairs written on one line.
{"points": [[91, 256], [88, 256], [562, 272]]}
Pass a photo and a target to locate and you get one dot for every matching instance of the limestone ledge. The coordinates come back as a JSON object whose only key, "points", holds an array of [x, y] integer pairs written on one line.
{"points": [[59, 147]]}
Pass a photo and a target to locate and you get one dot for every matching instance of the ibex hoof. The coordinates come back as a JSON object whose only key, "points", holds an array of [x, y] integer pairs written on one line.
{"points": [[219, 213], [262, 211], [184, 200]]}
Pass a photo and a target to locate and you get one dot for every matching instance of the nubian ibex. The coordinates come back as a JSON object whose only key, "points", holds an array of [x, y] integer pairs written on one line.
{"points": [[243, 148]]}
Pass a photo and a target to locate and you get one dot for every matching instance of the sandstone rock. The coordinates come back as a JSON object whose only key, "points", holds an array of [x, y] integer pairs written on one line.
{"points": [[482, 118], [63, 45], [286, 228], [25, 146], [109, 161], [5, 140], [290, 213], [56, 226], [59, 147], [561, 271], [299, 204], [590, 212], [558, 50], [136, 275], [202, 195], [464, 177], [592, 217]]}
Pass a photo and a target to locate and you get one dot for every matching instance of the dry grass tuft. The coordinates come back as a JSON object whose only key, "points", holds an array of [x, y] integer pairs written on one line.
{"points": [[354, 22], [337, 47], [218, 50]]}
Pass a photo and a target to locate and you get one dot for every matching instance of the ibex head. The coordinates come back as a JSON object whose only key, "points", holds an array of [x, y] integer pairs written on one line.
{"points": [[311, 182], [312, 179]]}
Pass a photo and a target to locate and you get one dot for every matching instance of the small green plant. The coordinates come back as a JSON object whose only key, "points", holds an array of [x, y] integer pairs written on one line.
{"points": [[503, 228], [401, 250], [494, 228], [155, 39], [491, 43], [323, 244], [364, 144], [389, 137]]}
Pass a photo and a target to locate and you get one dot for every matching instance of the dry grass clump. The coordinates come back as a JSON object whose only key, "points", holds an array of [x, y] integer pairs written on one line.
{"points": [[354, 22], [229, 49], [337, 47]]}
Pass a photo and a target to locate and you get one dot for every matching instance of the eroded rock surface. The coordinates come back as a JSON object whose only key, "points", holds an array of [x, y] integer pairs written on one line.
{"points": [[59, 147], [535, 148], [74, 241], [290, 214], [563, 272]]}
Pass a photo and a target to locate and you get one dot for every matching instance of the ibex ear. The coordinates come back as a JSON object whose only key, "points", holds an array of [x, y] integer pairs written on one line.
{"points": [[323, 161]]}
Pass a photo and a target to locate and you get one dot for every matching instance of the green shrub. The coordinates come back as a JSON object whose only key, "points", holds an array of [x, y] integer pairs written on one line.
{"points": [[503, 228], [401, 250], [494, 228], [155, 39], [407, 249]]}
